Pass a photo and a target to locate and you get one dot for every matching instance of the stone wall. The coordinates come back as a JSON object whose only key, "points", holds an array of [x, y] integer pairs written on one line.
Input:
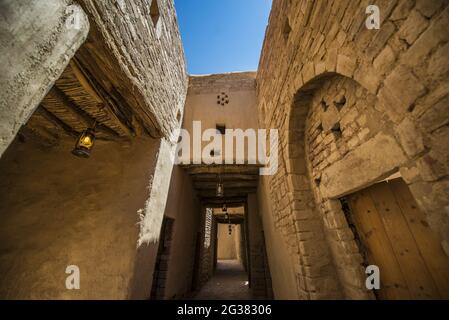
{"points": [[395, 119], [259, 273], [280, 261], [142, 58]]}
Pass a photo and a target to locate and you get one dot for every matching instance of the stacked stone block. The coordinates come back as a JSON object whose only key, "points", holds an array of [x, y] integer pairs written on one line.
{"points": [[394, 81]]}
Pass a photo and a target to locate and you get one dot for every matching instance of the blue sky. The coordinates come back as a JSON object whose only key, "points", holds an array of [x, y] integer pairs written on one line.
{"points": [[222, 35]]}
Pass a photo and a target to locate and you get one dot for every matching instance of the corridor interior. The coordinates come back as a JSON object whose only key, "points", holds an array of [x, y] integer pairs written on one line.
{"points": [[354, 121], [229, 280], [221, 267]]}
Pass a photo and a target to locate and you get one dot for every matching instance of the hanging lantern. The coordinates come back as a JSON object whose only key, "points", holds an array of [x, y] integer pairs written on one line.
{"points": [[220, 189], [84, 143]]}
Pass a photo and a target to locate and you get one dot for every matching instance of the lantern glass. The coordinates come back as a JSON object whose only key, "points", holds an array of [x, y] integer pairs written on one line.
{"points": [[84, 144], [220, 190]]}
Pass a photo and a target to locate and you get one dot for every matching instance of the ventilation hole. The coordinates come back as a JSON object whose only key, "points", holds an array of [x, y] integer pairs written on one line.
{"points": [[340, 102], [336, 130], [154, 12], [222, 98], [317, 181], [287, 29], [324, 105], [411, 108], [221, 128], [178, 115]]}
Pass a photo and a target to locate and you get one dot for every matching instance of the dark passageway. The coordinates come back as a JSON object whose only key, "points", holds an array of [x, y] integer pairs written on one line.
{"points": [[229, 282]]}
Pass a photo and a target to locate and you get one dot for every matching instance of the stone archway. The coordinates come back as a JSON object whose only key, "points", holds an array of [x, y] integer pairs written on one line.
{"points": [[340, 139]]}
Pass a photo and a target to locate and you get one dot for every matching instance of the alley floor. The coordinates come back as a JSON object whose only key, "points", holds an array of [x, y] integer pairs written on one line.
{"points": [[230, 282]]}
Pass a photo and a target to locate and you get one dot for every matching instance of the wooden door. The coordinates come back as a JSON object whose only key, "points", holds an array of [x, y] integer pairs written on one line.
{"points": [[397, 238]]}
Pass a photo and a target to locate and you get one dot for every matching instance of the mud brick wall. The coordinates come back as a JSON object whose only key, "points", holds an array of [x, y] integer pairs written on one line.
{"points": [[396, 118]]}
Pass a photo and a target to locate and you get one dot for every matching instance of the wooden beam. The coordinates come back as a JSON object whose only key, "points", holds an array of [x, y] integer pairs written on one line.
{"points": [[84, 82], [38, 134], [98, 94], [58, 122], [225, 177], [228, 185], [213, 202], [195, 169], [78, 113], [235, 220], [237, 192]]}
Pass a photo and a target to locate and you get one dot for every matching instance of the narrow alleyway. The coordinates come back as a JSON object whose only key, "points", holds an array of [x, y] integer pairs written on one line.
{"points": [[230, 282]]}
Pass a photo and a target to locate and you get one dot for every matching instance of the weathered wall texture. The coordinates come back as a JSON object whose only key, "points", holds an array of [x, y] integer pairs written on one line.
{"points": [[59, 210], [260, 279], [184, 208], [352, 106], [136, 51], [228, 244], [36, 45], [238, 89], [279, 259]]}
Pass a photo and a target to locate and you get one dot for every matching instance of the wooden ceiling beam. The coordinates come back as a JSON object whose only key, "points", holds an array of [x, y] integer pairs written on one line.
{"points": [[99, 95], [58, 122], [228, 185], [236, 192], [78, 113], [196, 169], [215, 202], [235, 220], [38, 134], [225, 177]]}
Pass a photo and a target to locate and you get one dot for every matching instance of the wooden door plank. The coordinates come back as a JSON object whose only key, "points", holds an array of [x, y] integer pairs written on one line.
{"points": [[414, 270], [426, 239], [379, 249]]}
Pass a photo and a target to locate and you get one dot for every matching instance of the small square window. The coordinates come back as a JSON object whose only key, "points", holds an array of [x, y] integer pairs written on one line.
{"points": [[221, 128]]}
